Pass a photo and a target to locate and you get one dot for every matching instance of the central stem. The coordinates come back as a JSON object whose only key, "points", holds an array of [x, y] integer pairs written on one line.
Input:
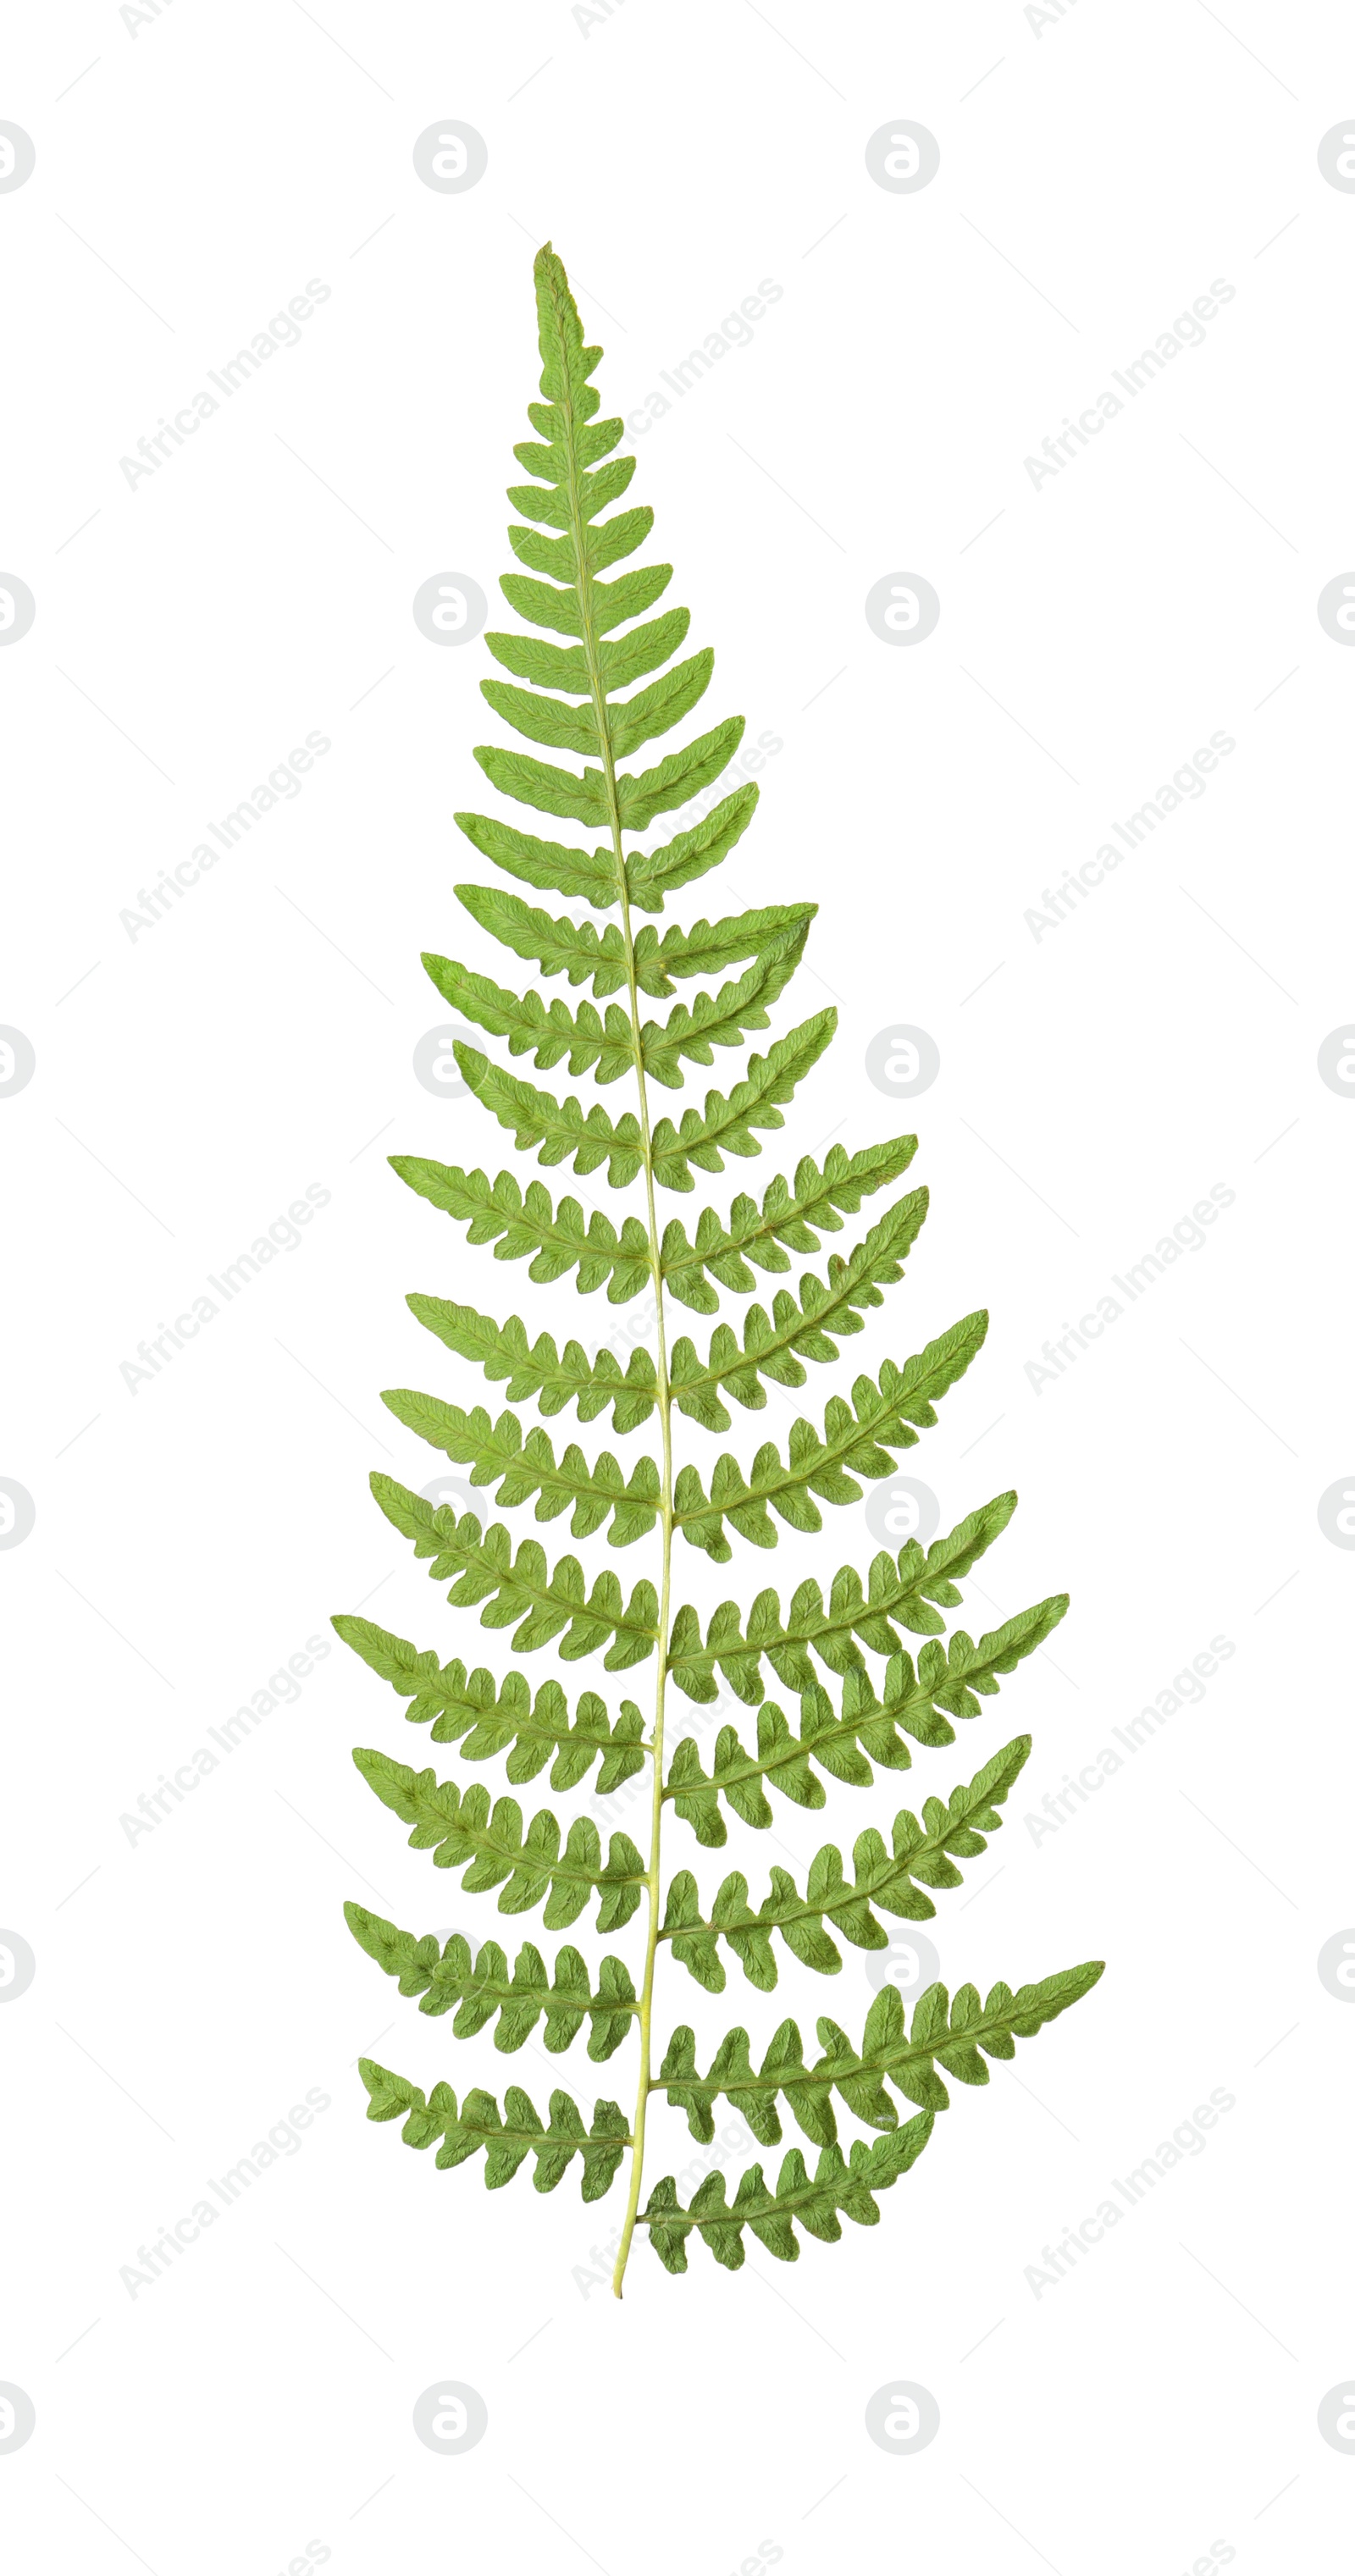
{"points": [[597, 688]]}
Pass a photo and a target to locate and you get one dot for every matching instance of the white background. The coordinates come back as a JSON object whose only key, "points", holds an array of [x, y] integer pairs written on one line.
{"points": [[1097, 174]]}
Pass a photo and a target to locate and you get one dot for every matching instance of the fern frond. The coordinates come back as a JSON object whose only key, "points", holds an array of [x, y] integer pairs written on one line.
{"points": [[506, 2141], [563, 1129], [652, 874], [857, 1439], [519, 1222], [867, 1730], [448, 1978], [944, 2034], [923, 1856], [555, 1378], [544, 1031], [576, 949], [458, 1826], [776, 1346], [488, 1717], [523, 1587], [786, 1218], [595, 679], [812, 2203], [497, 1453], [904, 1588], [548, 865]]}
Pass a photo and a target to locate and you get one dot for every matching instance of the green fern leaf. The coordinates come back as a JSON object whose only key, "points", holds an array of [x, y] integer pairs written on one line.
{"points": [[785, 1219], [593, 680], [838, 2183], [497, 1453], [487, 1717], [555, 1378], [775, 1346], [866, 1731], [518, 1223], [857, 1436], [458, 1826], [508, 2141], [903, 1588], [944, 2034], [923, 1856], [478, 1989], [523, 1587]]}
